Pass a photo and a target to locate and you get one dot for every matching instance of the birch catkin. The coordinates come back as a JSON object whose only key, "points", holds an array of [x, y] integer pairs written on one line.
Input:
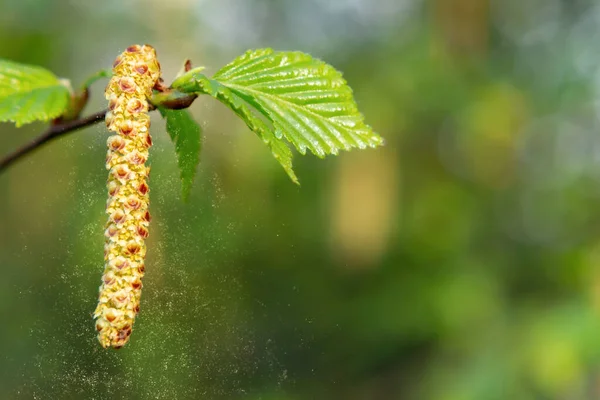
{"points": [[135, 72]]}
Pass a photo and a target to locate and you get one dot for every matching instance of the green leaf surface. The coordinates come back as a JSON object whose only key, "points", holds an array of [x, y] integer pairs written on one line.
{"points": [[303, 99], [279, 149], [29, 93], [186, 135]]}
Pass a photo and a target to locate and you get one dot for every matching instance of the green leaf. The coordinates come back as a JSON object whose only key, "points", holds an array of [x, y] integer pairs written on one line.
{"points": [[30, 93], [305, 101], [186, 135], [278, 148]]}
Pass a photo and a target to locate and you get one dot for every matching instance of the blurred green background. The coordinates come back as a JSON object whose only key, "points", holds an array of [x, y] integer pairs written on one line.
{"points": [[459, 262]]}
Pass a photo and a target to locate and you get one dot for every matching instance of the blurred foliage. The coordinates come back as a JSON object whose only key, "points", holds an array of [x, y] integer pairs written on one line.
{"points": [[461, 261]]}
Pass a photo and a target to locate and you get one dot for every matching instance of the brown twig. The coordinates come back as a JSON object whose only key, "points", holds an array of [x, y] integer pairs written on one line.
{"points": [[51, 133], [169, 98]]}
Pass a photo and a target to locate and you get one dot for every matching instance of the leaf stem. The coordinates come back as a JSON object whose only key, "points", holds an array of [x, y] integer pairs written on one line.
{"points": [[105, 73]]}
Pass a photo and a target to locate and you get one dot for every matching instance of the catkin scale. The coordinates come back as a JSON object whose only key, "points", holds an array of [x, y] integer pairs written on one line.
{"points": [[135, 72]]}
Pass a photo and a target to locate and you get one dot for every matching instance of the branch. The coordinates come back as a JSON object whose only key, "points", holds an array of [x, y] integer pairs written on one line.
{"points": [[170, 99], [51, 133]]}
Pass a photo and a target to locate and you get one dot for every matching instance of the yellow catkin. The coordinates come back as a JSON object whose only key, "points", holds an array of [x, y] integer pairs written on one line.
{"points": [[135, 72]]}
